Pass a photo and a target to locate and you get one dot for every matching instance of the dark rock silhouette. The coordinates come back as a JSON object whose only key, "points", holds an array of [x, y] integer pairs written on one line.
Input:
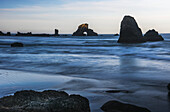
{"points": [[153, 35], [17, 44], [115, 106], [56, 32], [116, 34], [82, 29], [118, 91], [3, 34], [8, 34], [46, 101], [30, 34], [130, 32], [24, 34], [38, 35], [90, 32]]}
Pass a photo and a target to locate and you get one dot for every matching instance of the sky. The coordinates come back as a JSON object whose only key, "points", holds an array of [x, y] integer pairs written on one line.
{"points": [[103, 16]]}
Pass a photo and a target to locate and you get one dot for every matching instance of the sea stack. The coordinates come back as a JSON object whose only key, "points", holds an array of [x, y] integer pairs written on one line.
{"points": [[130, 32], [56, 32], [84, 28], [153, 35]]}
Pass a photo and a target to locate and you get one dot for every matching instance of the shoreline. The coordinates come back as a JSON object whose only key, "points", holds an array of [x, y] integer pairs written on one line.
{"points": [[146, 95]]}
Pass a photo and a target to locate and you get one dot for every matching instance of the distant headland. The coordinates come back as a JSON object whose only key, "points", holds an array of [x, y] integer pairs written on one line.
{"points": [[30, 34]]}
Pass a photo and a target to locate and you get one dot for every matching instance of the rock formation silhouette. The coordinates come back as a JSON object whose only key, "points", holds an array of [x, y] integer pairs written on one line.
{"points": [[38, 35], [153, 35], [56, 32], [3, 34], [82, 29], [130, 32]]}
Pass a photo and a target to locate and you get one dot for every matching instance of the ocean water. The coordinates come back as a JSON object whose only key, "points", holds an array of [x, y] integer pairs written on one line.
{"points": [[89, 66]]}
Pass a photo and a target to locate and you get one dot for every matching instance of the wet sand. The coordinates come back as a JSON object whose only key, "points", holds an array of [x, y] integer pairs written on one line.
{"points": [[151, 94]]}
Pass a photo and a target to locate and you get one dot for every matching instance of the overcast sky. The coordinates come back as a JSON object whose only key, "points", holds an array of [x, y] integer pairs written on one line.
{"points": [[103, 16]]}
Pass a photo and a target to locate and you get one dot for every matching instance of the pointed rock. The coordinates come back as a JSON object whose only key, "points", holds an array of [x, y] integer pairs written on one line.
{"points": [[130, 32]]}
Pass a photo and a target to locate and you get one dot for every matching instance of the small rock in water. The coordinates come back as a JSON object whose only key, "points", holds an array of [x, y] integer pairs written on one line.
{"points": [[116, 34], [115, 106], [46, 101], [153, 35], [118, 91], [17, 44]]}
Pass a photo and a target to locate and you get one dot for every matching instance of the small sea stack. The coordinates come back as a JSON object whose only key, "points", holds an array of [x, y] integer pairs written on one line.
{"points": [[46, 101], [130, 32], [116, 106], [17, 44], [153, 35], [116, 34], [56, 32], [82, 29]]}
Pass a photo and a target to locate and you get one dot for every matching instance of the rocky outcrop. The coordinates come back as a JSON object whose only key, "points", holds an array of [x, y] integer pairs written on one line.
{"points": [[90, 32], [82, 29], [153, 35], [46, 101], [130, 32], [116, 34], [115, 106], [24, 34], [56, 32], [3, 34], [17, 44]]}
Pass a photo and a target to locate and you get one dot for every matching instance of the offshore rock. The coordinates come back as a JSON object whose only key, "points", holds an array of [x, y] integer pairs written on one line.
{"points": [[90, 32], [17, 44], [116, 34], [130, 32], [3, 34], [82, 29], [153, 35], [115, 106], [56, 32], [46, 101]]}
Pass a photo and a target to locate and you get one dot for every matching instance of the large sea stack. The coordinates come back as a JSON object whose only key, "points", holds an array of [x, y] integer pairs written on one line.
{"points": [[84, 28], [130, 32], [153, 35]]}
